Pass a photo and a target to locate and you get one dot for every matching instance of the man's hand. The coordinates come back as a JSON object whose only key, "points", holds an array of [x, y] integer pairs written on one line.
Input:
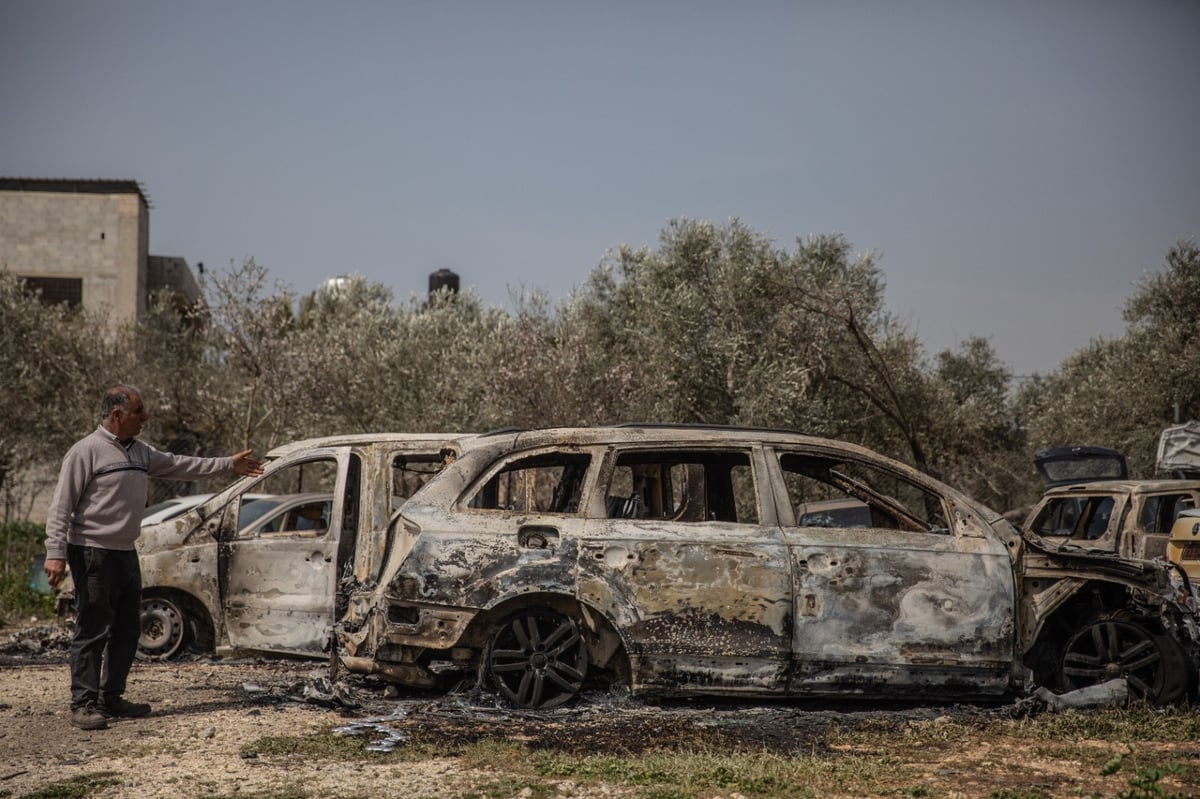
{"points": [[55, 569], [246, 466]]}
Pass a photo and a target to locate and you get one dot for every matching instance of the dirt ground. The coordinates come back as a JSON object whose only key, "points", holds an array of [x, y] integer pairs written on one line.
{"points": [[198, 740], [210, 715]]}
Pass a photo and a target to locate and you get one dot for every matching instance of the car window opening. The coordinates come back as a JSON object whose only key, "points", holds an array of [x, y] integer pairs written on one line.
{"points": [[826, 492], [545, 483], [683, 487]]}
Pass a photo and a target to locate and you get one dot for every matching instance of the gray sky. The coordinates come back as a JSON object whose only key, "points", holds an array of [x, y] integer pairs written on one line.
{"points": [[1016, 166]]}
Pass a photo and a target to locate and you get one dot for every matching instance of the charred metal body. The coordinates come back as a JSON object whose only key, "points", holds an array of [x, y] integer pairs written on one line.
{"points": [[268, 564], [1132, 518], [673, 559], [670, 559]]}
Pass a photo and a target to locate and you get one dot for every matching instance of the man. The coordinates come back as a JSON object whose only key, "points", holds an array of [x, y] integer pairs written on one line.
{"points": [[93, 522]]}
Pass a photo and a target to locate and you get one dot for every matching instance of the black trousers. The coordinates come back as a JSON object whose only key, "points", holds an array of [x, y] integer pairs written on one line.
{"points": [[108, 599]]}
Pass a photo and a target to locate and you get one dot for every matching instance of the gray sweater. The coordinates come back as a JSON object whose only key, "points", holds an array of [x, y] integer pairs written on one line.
{"points": [[101, 490]]}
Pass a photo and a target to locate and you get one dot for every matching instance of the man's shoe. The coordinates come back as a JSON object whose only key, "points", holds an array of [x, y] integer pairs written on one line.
{"points": [[116, 707], [88, 717]]}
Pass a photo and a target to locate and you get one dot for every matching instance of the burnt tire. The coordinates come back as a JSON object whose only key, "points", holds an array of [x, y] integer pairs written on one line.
{"points": [[536, 658], [1154, 665], [164, 629]]}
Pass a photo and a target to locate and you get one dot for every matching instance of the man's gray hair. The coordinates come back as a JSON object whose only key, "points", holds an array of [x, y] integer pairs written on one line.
{"points": [[116, 397]]}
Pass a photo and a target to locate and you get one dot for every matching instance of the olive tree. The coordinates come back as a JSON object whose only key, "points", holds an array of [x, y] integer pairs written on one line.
{"points": [[184, 384], [365, 363], [975, 440], [252, 324], [57, 363], [719, 326], [1122, 392], [552, 367]]}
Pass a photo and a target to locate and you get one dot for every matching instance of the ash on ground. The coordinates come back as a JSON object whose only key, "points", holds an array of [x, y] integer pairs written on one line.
{"points": [[608, 722], [41, 643]]}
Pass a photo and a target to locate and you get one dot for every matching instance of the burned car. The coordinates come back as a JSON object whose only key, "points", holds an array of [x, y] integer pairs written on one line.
{"points": [[1131, 518], [261, 565], [1090, 503], [677, 560]]}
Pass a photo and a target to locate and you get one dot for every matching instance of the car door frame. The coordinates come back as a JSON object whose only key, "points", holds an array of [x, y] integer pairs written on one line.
{"points": [[1139, 543], [292, 611], [880, 610], [700, 604]]}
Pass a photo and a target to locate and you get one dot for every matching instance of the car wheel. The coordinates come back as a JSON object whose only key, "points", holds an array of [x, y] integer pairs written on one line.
{"points": [[1155, 666], [537, 658], [164, 629]]}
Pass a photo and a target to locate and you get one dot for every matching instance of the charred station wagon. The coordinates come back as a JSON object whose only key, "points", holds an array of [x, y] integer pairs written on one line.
{"points": [[671, 559]]}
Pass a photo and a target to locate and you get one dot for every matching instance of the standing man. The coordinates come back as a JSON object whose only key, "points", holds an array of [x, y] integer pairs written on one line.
{"points": [[93, 522]]}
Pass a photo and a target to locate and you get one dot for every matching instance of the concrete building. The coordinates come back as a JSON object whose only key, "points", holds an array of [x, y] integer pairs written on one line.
{"points": [[86, 243]]}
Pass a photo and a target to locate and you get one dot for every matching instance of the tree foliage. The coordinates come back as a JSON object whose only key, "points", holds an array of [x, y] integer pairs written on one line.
{"points": [[1122, 392], [719, 326], [715, 325], [55, 365]]}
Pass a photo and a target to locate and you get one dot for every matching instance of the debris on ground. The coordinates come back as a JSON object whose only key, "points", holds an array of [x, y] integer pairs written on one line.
{"points": [[37, 642], [603, 721], [1113, 693]]}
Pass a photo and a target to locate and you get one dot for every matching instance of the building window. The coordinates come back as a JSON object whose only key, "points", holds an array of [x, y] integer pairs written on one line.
{"points": [[55, 290]]}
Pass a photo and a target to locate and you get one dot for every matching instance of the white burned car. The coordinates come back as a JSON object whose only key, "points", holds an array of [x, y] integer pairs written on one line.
{"points": [[675, 560], [262, 565]]}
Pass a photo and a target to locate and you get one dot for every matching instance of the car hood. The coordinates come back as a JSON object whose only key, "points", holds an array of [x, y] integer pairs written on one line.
{"points": [[172, 534]]}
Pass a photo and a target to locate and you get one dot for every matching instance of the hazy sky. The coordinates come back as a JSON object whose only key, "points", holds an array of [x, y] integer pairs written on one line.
{"points": [[1015, 166]]}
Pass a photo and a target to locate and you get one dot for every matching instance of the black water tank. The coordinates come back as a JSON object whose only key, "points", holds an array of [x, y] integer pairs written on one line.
{"points": [[443, 279]]}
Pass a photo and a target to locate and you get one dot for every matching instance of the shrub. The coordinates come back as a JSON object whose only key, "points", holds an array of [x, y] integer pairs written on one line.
{"points": [[20, 543]]}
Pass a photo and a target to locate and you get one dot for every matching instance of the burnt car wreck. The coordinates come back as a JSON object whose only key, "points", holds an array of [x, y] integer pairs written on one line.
{"points": [[262, 566], [672, 560], [680, 560], [1091, 503]]}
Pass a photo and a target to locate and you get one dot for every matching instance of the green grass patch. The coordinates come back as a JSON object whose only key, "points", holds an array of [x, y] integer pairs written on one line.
{"points": [[669, 774], [1115, 725], [665, 774], [873, 760], [78, 787], [868, 766], [1137, 722]]}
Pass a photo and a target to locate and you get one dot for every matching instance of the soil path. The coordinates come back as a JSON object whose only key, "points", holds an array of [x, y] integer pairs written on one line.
{"points": [[209, 716], [205, 736], [198, 740]]}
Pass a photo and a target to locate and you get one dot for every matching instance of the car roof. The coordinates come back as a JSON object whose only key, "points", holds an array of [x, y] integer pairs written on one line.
{"points": [[669, 434], [366, 439], [1123, 487], [683, 435], [173, 506], [661, 433]]}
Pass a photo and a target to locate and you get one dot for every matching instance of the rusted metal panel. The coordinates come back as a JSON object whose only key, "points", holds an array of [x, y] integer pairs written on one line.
{"points": [[172, 560], [697, 605], [902, 615], [279, 595], [1137, 515]]}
